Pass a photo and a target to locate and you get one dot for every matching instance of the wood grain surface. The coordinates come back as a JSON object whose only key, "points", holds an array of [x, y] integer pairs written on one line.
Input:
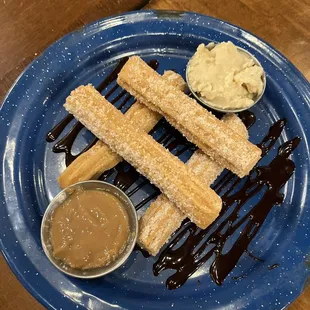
{"points": [[28, 27]]}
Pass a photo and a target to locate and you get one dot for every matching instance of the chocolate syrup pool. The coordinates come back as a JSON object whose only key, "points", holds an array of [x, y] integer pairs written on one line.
{"points": [[185, 257]]}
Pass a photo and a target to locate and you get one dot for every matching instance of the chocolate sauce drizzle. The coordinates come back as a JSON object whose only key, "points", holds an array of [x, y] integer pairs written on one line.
{"points": [[185, 257], [55, 132], [239, 277], [274, 266], [64, 145], [202, 245]]}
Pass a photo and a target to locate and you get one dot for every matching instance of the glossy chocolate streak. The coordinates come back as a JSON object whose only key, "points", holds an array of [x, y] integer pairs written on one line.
{"points": [[125, 178], [274, 266], [254, 257], [143, 252], [248, 118], [240, 277], [54, 133], [112, 76], [65, 144], [202, 245], [146, 200]]}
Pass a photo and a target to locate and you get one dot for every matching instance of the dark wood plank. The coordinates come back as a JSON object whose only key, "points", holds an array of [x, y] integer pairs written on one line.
{"points": [[285, 24], [28, 27]]}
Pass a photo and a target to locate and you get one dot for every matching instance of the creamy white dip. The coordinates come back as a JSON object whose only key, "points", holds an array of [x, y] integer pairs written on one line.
{"points": [[224, 76]]}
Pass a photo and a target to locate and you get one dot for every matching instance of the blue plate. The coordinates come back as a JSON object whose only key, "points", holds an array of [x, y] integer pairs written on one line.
{"points": [[29, 168]]}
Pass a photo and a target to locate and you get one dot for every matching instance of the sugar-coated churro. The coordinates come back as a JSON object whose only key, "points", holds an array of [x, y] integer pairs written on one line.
{"points": [[162, 217], [201, 204], [201, 127], [100, 158]]}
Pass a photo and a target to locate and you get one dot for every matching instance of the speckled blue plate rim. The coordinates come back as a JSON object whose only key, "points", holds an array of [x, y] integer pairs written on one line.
{"points": [[159, 14], [142, 14]]}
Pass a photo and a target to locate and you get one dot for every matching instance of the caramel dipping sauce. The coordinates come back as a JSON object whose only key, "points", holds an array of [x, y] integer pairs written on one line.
{"points": [[89, 230]]}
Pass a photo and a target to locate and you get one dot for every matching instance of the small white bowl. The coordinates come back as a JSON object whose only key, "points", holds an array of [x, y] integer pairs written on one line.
{"points": [[59, 199], [209, 103]]}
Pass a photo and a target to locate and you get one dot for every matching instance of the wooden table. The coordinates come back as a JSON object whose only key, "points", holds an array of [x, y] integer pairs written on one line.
{"points": [[28, 27]]}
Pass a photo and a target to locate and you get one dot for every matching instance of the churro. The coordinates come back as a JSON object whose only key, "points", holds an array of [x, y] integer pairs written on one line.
{"points": [[201, 127], [173, 178], [162, 217], [100, 158]]}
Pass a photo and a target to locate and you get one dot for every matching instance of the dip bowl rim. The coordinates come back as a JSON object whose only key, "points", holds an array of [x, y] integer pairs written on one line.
{"points": [[95, 272], [208, 103]]}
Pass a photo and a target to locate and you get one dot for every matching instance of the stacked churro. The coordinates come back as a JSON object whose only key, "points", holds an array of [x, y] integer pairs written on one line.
{"points": [[162, 217], [198, 202], [201, 127], [100, 158]]}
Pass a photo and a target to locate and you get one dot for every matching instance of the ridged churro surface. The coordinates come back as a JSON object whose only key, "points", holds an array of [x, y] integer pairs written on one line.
{"points": [[167, 172], [100, 158], [201, 127], [162, 218]]}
